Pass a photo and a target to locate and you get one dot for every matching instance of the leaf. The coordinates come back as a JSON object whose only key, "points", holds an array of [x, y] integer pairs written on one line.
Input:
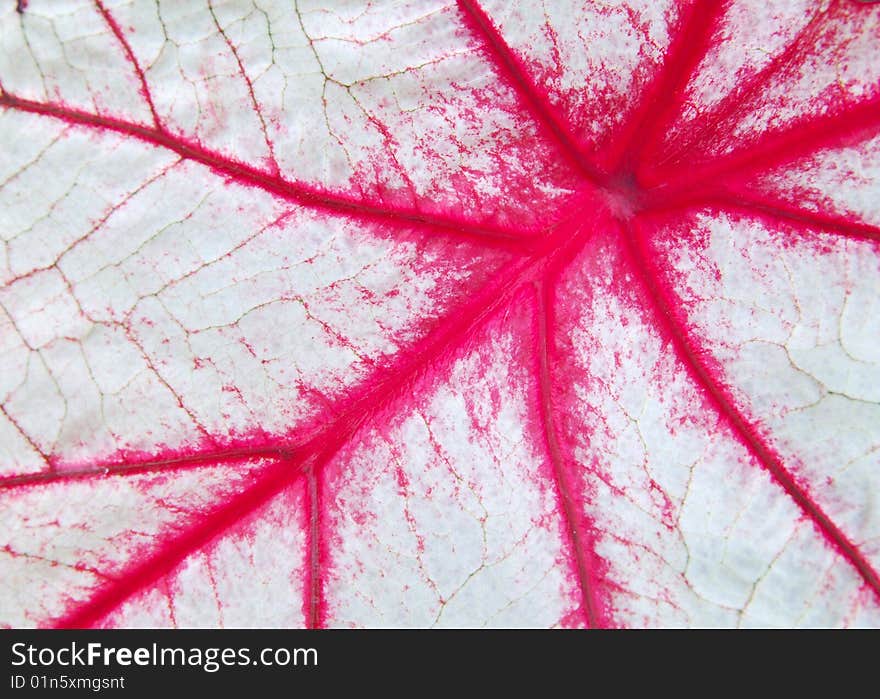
{"points": [[416, 314]]}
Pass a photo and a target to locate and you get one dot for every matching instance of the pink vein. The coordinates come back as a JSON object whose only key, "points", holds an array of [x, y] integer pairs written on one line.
{"points": [[745, 91], [777, 148], [290, 190], [786, 212], [757, 203], [313, 454], [510, 64], [638, 259], [380, 390], [150, 569], [581, 539], [314, 580], [126, 47], [196, 459], [687, 50]]}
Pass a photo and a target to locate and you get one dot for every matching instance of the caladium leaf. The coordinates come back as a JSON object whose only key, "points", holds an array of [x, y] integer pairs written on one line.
{"points": [[424, 314]]}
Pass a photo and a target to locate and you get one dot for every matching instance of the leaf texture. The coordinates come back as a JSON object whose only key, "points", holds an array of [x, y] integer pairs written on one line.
{"points": [[439, 313]]}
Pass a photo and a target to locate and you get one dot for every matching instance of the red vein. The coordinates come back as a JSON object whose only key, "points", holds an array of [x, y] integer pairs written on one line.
{"points": [[638, 259], [787, 212], [289, 190], [777, 148], [758, 204], [126, 47], [370, 397], [687, 50], [202, 459], [543, 111], [734, 102], [150, 569], [366, 400], [314, 588], [581, 540]]}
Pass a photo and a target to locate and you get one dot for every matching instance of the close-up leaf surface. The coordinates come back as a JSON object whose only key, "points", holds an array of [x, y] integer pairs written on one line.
{"points": [[404, 313]]}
